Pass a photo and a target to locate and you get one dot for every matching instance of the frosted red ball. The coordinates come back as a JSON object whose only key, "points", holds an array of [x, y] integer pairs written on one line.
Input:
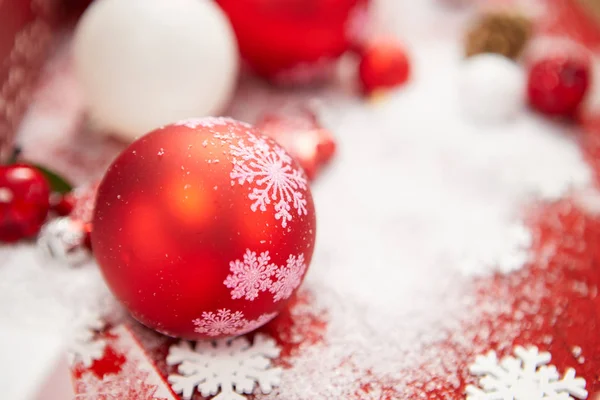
{"points": [[295, 41], [204, 228]]}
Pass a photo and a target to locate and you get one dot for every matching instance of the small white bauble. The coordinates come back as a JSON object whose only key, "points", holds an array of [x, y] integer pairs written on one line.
{"points": [[492, 88], [146, 63]]}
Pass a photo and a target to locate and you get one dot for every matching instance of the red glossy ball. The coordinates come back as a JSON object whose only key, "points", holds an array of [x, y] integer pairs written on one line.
{"points": [[295, 41], [204, 228], [557, 86], [24, 202], [384, 65]]}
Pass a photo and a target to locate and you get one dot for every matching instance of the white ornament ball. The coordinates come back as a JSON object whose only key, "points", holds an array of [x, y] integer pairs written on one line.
{"points": [[492, 88], [146, 63]]}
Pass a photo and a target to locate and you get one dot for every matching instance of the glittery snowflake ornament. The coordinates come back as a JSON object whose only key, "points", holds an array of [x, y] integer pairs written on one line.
{"points": [[225, 369], [526, 376]]}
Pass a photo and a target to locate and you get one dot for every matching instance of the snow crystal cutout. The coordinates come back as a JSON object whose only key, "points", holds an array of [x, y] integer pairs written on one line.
{"points": [[250, 276], [288, 277], [227, 322], [273, 178], [84, 346], [253, 275], [527, 376], [226, 369]]}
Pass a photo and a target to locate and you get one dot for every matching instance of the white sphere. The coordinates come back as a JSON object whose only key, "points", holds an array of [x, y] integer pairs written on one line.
{"points": [[146, 63], [492, 88]]}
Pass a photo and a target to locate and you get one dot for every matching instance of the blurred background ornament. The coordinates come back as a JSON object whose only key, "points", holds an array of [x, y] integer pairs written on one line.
{"points": [[557, 83], [301, 134], [145, 63], [384, 65], [63, 240], [296, 41], [500, 32], [24, 201], [491, 87]]}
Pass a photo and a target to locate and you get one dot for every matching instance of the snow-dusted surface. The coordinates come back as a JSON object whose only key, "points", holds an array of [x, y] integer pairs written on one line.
{"points": [[420, 200]]}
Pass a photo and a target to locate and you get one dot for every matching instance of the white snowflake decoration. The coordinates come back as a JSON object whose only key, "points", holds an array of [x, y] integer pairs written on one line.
{"points": [[250, 276], [224, 322], [288, 277], [84, 347], [527, 376], [274, 178], [225, 368]]}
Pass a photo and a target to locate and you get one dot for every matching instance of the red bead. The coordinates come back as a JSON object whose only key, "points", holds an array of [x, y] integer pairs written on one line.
{"points": [[303, 137], [295, 41], [204, 228], [24, 202], [384, 65], [557, 86]]}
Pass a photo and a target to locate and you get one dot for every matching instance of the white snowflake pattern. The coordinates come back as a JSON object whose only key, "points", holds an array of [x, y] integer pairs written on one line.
{"points": [[258, 322], [226, 369], [250, 276], [288, 277], [207, 122], [84, 345], [223, 322], [275, 179], [527, 376]]}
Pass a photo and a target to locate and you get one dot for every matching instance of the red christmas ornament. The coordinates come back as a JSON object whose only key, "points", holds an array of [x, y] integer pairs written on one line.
{"points": [[303, 137], [24, 201], [295, 41], [204, 228], [557, 85], [383, 65]]}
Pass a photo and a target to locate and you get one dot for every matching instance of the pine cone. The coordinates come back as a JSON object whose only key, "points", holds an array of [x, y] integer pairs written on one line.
{"points": [[500, 32]]}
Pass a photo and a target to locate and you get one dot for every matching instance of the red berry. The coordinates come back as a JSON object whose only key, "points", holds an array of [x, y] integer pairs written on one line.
{"points": [[24, 201], [557, 86], [62, 204], [384, 65]]}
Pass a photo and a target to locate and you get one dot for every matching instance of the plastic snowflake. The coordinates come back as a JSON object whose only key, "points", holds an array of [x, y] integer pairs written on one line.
{"points": [[527, 376], [84, 347], [250, 276], [288, 277], [225, 368], [224, 322], [275, 180]]}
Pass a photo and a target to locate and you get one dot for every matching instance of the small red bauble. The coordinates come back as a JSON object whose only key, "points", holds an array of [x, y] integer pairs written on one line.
{"points": [[204, 228], [24, 202], [302, 136], [557, 86], [384, 65], [295, 41]]}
